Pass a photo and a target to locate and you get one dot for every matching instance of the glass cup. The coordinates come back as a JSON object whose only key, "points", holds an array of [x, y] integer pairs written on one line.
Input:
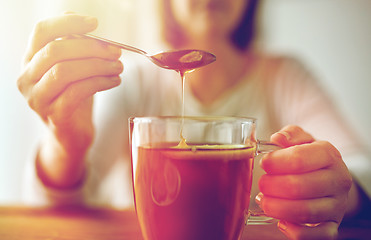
{"points": [[197, 189]]}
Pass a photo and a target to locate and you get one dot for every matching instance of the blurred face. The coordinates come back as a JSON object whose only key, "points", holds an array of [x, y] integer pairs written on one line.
{"points": [[208, 19]]}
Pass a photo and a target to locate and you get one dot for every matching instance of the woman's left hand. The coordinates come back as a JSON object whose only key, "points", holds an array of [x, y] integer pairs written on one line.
{"points": [[306, 185]]}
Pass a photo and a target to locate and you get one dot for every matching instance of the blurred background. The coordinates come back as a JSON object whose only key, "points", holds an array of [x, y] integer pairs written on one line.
{"points": [[332, 37]]}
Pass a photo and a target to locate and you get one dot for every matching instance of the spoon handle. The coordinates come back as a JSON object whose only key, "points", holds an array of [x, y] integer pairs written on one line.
{"points": [[117, 44]]}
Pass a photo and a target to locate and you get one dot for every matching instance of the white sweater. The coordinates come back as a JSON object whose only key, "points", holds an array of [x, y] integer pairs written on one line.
{"points": [[279, 92]]}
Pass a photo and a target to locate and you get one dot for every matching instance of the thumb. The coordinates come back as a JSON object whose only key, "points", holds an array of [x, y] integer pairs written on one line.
{"points": [[291, 135]]}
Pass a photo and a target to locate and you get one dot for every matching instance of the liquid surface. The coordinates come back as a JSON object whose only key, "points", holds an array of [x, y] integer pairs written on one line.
{"points": [[199, 192]]}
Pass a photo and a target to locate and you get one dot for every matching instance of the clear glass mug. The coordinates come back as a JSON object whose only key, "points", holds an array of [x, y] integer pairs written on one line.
{"points": [[197, 190]]}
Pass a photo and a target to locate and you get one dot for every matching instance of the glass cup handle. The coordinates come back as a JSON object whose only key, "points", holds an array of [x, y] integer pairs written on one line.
{"points": [[258, 217], [266, 147]]}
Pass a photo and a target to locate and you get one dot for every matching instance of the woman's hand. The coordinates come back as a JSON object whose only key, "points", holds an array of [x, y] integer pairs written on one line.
{"points": [[61, 74], [306, 185]]}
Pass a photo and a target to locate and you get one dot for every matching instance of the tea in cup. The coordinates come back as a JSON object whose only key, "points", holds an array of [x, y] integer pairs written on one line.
{"points": [[193, 189]]}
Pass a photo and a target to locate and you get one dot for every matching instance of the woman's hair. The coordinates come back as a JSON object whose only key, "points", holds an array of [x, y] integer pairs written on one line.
{"points": [[241, 37]]}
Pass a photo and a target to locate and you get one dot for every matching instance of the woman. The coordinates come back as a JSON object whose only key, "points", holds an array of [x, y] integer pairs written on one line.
{"points": [[84, 158]]}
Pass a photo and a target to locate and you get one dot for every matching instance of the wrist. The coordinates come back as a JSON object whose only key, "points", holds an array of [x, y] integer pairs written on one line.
{"points": [[59, 181], [60, 166], [72, 141]]}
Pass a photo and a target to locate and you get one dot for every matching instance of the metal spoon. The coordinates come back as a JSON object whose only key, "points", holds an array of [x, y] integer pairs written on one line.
{"points": [[178, 60]]}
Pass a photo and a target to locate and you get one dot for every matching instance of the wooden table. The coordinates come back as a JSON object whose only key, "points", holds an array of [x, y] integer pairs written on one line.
{"points": [[70, 223]]}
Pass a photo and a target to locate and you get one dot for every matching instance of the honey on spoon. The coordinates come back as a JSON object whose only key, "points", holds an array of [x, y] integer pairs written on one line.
{"points": [[179, 60]]}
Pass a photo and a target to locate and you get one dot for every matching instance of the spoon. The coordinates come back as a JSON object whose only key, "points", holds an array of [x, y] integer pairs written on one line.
{"points": [[178, 60]]}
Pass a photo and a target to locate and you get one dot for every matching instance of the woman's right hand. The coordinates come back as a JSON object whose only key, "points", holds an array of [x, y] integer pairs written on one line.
{"points": [[61, 74]]}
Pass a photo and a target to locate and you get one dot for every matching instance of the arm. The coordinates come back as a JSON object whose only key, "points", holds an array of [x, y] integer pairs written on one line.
{"points": [[59, 79]]}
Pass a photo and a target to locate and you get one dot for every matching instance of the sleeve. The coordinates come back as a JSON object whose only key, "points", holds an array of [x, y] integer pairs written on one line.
{"points": [[36, 193], [298, 99]]}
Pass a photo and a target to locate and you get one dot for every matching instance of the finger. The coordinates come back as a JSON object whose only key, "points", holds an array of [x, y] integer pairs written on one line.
{"points": [[309, 185], [63, 50], [290, 136], [60, 76], [53, 28], [325, 230], [67, 102], [305, 211], [300, 158]]}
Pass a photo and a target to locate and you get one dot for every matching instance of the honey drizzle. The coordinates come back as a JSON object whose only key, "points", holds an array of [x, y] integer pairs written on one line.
{"points": [[182, 143]]}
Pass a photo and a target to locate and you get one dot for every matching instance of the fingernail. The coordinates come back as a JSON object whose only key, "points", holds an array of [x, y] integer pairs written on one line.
{"points": [[115, 79], [90, 20], [258, 198], [282, 225], [311, 224], [117, 64], [286, 135], [113, 49]]}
